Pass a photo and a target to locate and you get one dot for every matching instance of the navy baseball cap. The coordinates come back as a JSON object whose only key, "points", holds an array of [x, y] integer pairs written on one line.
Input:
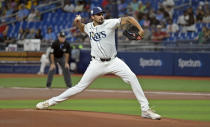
{"points": [[62, 34], [96, 10]]}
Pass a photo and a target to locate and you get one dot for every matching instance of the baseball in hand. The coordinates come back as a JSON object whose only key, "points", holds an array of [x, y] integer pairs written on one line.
{"points": [[78, 18]]}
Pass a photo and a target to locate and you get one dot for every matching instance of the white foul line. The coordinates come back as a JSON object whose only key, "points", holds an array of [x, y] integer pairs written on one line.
{"points": [[154, 92], [126, 91]]}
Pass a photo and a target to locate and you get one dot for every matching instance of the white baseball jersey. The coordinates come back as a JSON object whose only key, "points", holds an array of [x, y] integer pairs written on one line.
{"points": [[102, 38]]}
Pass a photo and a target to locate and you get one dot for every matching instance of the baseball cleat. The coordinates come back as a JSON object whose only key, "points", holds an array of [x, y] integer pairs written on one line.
{"points": [[43, 105], [150, 114]]}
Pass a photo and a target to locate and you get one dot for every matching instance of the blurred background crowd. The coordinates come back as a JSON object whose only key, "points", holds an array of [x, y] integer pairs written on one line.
{"points": [[164, 21]]}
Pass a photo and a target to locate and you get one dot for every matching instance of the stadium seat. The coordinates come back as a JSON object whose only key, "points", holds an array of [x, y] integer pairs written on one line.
{"points": [[62, 20]]}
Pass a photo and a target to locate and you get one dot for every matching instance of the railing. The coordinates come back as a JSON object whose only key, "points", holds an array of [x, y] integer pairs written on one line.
{"points": [[183, 5], [178, 46], [135, 46]]}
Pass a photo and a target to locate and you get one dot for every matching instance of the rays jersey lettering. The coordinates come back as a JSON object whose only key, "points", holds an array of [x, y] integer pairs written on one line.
{"points": [[102, 38], [97, 36]]}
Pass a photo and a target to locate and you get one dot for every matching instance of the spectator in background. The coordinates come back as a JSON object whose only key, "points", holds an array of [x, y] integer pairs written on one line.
{"points": [[31, 34], [38, 34], [168, 6], [145, 22], [122, 8], [147, 8], [2, 45], [31, 4], [87, 6], [108, 15], [152, 18], [3, 11], [166, 15], [147, 33], [105, 4], [204, 36], [72, 33], [22, 34], [26, 33], [9, 11], [159, 15], [140, 11], [133, 6], [121, 36], [199, 14], [4, 27], [22, 13], [172, 27], [49, 36], [190, 20], [182, 22], [76, 35], [168, 3], [141, 8], [206, 18], [15, 7], [1, 2], [34, 16], [79, 6], [8, 40], [4, 39], [206, 7], [68, 6], [159, 34], [13, 4]]}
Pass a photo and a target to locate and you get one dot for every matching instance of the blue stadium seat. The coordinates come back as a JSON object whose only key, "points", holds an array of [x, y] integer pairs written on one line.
{"points": [[208, 25], [10, 30], [189, 35], [178, 2], [203, 24], [31, 25], [61, 20], [37, 25], [182, 36]]}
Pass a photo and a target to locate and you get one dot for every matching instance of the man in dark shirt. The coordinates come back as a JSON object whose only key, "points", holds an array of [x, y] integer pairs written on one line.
{"points": [[59, 53]]}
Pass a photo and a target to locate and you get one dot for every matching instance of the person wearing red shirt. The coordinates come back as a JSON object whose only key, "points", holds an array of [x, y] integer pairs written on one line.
{"points": [[159, 35]]}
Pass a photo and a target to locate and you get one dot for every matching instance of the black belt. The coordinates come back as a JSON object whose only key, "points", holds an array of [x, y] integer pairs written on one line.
{"points": [[103, 59]]}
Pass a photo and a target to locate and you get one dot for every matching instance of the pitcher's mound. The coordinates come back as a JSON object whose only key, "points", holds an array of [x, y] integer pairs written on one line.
{"points": [[66, 118]]}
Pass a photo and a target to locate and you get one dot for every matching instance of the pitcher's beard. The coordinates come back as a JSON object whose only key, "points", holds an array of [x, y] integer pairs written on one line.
{"points": [[100, 21]]}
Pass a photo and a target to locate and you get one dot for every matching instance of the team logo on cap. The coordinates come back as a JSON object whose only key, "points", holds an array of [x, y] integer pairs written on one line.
{"points": [[99, 9]]}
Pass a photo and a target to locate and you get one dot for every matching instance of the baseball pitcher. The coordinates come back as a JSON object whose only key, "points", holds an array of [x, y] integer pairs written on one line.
{"points": [[104, 60]]}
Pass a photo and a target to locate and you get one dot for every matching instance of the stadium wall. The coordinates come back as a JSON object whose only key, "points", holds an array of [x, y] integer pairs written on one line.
{"points": [[141, 63], [160, 63]]}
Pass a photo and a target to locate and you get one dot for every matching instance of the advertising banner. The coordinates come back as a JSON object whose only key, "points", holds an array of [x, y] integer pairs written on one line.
{"points": [[159, 63], [192, 64], [149, 63]]}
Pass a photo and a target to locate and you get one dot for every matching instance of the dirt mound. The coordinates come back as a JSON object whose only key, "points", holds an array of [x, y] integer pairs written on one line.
{"points": [[62, 118]]}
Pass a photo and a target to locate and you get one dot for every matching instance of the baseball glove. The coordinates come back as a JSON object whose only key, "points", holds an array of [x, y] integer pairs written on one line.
{"points": [[132, 33]]}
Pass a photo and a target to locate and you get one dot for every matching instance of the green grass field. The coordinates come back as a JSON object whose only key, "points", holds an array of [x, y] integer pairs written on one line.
{"points": [[180, 109], [114, 83]]}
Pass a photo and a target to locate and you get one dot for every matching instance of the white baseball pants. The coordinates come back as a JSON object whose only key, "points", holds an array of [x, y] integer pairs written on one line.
{"points": [[97, 68]]}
